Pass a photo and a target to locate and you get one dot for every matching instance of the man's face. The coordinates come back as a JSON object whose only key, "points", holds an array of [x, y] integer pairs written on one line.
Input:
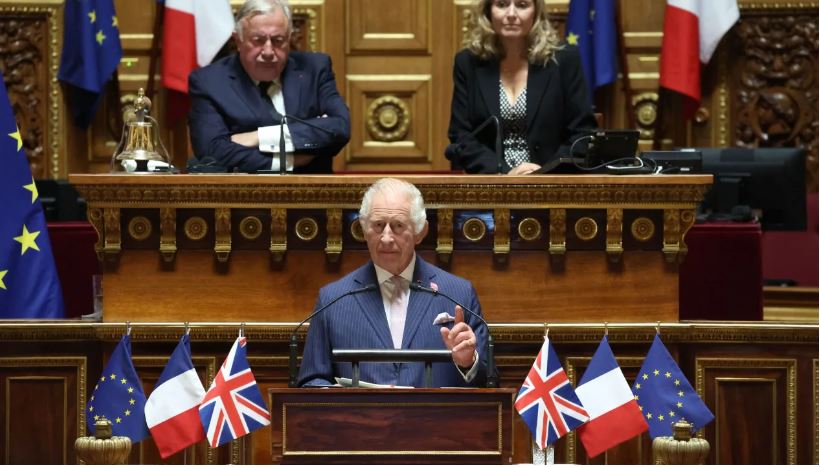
{"points": [[389, 231], [264, 46]]}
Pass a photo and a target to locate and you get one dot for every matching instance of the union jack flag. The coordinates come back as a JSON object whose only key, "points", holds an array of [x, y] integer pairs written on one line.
{"points": [[547, 401], [233, 406]]}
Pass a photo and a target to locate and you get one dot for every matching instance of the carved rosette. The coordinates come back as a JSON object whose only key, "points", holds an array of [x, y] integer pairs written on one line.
{"points": [[444, 239], [474, 229], [645, 106], [642, 229], [306, 229], [777, 92], [388, 119], [139, 228], [529, 229], [586, 228], [356, 230], [195, 228], [250, 228]]}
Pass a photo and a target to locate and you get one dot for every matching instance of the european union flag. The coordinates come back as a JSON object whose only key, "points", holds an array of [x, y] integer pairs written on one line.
{"points": [[29, 286], [91, 53], [118, 396], [591, 27], [665, 396]]}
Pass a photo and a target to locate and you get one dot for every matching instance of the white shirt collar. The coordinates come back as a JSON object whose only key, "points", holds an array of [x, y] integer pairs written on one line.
{"points": [[382, 275]]}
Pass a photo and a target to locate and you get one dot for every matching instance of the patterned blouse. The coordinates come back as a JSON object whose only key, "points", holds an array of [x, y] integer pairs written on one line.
{"points": [[514, 127]]}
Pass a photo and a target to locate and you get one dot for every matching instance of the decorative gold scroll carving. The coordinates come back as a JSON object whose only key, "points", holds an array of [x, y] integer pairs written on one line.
{"points": [[113, 242], [474, 229], [222, 231], [444, 237], [687, 220], [168, 234], [558, 232], [501, 239], [95, 217], [278, 234], [614, 234], [671, 234], [333, 250], [30, 65]]}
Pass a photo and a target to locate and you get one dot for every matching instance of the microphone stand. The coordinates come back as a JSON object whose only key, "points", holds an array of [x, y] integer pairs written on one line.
{"points": [[492, 377], [293, 341], [454, 149], [283, 169]]}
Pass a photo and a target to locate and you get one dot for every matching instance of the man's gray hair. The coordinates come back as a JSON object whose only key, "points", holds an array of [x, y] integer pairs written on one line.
{"points": [[251, 8], [418, 215]]}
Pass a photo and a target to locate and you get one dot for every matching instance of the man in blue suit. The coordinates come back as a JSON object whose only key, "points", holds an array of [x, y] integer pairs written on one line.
{"points": [[392, 316], [237, 102]]}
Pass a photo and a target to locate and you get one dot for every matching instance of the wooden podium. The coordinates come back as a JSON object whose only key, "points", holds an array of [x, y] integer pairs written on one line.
{"points": [[257, 248], [391, 426]]}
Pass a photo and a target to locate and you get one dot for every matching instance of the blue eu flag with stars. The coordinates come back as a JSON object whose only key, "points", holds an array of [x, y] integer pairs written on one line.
{"points": [[29, 286], [665, 396], [591, 27], [91, 53], [118, 396]]}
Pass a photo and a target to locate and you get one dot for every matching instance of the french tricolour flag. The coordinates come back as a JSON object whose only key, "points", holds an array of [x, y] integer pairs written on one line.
{"points": [[172, 409], [193, 32], [692, 30], [614, 414]]}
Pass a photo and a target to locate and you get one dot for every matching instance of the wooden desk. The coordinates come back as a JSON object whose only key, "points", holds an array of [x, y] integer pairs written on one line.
{"points": [[391, 426], [255, 248]]}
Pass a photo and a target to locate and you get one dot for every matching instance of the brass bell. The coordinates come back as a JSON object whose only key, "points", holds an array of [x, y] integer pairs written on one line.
{"points": [[103, 448], [680, 448], [140, 142]]}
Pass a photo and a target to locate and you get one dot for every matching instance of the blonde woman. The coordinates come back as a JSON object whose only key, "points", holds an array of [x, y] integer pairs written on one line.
{"points": [[515, 68]]}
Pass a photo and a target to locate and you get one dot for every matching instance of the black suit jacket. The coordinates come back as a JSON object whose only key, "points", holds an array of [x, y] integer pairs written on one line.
{"points": [[558, 109], [225, 101]]}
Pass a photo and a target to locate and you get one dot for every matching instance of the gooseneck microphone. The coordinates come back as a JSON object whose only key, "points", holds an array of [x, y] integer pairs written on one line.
{"points": [[492, 377], [454, 150], [283, 119], [293, 343]]}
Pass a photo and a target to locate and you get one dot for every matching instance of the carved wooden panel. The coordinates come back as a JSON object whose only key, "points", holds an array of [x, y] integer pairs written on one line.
{"points": [[41, 411], [774, 82], [404, 26], [28, 58], [760, 397], [391, 123]]}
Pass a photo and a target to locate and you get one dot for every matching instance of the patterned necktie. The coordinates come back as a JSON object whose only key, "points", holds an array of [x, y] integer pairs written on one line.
{"points": [[398, 310]]}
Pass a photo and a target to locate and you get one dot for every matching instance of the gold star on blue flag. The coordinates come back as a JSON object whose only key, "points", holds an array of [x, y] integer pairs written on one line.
{"points": [[29, 287], [91, 53], [120, 398], [591, 27], [665, 396]]}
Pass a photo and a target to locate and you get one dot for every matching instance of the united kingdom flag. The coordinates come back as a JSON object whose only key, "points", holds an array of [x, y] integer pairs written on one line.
{"points": [[547, 401], [233, 406]]}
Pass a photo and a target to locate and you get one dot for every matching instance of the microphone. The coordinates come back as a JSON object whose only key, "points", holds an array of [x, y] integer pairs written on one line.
{"points": [[492, 377], [293, 343], [454, 150]]}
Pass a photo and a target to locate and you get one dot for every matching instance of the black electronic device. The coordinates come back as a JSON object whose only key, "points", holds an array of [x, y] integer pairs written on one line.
{"points": [[764, 183], [607, 146], [60, 200], [685, 161]]}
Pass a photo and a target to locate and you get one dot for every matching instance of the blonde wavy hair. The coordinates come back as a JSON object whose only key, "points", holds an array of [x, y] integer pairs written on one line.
{"points": [[542, 41]]}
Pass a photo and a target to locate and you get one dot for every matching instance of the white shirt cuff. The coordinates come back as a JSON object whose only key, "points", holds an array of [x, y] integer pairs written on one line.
{"points": [[470, 375], [269, 142]]}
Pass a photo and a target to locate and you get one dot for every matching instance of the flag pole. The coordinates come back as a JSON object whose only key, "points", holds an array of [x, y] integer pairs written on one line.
{"points": [[155, 38], [624, 64]]}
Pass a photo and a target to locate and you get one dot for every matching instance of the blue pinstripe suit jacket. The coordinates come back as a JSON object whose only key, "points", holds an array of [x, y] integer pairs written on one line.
{"points": [[359, 322]]}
